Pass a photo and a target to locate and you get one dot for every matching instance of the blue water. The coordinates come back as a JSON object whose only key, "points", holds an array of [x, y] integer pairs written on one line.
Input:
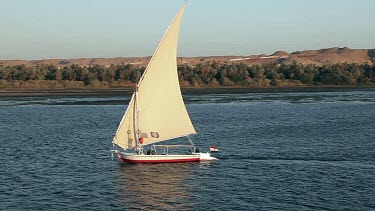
{"points": [[279, 151]]}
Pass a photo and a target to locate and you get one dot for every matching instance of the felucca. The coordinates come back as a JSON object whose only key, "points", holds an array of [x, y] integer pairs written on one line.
{"points": [[157, 112]]}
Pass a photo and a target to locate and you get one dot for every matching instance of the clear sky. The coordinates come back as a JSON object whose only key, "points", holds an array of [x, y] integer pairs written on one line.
{"points": [[43, 29]]}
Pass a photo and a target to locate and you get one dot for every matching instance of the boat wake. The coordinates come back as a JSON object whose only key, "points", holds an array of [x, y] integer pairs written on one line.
{"points": [[298, 159]]}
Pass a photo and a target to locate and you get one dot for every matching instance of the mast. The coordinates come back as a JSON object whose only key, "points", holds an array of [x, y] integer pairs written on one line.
{"points": [[137, 129]]}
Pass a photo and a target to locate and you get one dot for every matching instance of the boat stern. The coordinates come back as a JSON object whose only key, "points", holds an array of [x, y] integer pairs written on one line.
{"points": [[118, 154]]}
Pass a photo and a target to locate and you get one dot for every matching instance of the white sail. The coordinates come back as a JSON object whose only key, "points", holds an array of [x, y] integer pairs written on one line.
{"points": [[125, 136], [161, 111]]}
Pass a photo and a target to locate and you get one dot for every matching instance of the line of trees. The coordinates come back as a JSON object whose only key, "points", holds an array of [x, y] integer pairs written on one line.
{"points": [[205, 74]]}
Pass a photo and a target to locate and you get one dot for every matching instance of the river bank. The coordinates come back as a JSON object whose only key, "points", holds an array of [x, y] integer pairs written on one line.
{"points": [[189, 91]]}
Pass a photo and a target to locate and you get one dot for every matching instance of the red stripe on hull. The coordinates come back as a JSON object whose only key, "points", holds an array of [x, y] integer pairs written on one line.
{"points": [[161, 161], [122, 159]]}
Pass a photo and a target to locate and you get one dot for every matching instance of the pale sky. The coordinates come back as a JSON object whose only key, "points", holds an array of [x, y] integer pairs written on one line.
{"points": [[45, 29]]}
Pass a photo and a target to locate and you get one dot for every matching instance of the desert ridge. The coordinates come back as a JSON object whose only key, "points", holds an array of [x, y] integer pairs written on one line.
{"points": [[317, 57]]}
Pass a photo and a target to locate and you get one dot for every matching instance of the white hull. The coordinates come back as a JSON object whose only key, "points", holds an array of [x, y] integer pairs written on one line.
{"points": [[136, 158]]}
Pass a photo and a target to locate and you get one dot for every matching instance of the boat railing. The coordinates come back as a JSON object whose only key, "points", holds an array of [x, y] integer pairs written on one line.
{"points": [[168, 147], [173, 146]]}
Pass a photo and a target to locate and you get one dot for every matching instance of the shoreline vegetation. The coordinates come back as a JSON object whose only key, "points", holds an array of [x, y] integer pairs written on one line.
{"points": [[209, 77]]}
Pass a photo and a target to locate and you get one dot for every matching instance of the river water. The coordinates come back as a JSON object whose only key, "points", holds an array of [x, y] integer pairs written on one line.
{"points": [[278, 151]]}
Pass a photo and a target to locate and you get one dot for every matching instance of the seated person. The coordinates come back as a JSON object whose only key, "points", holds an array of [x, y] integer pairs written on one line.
{"points": [[151, 152]]}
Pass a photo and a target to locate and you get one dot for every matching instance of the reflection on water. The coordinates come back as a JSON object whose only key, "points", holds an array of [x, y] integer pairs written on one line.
{"points": [[161, 186], [293, 97]]}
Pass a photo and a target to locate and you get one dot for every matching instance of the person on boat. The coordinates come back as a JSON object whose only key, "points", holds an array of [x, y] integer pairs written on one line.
{"points": [[151, 152], [197, 150]]}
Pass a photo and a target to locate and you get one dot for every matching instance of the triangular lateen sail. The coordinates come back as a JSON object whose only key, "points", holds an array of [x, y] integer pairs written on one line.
{"points": [[162, 113]]}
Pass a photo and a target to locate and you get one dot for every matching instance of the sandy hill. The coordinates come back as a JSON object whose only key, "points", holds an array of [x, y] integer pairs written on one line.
{"points": [[332, 55], [281, 53], [318, 57]]}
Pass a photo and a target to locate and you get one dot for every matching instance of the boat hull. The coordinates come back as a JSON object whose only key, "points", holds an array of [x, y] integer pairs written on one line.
{"points": [[135, 158]]}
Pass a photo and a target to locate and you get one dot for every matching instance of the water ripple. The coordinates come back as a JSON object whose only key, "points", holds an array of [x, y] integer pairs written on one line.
{"points": [[277, 152]]}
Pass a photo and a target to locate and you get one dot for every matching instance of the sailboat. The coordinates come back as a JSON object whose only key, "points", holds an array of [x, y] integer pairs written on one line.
{"points": [[157, 112]]}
